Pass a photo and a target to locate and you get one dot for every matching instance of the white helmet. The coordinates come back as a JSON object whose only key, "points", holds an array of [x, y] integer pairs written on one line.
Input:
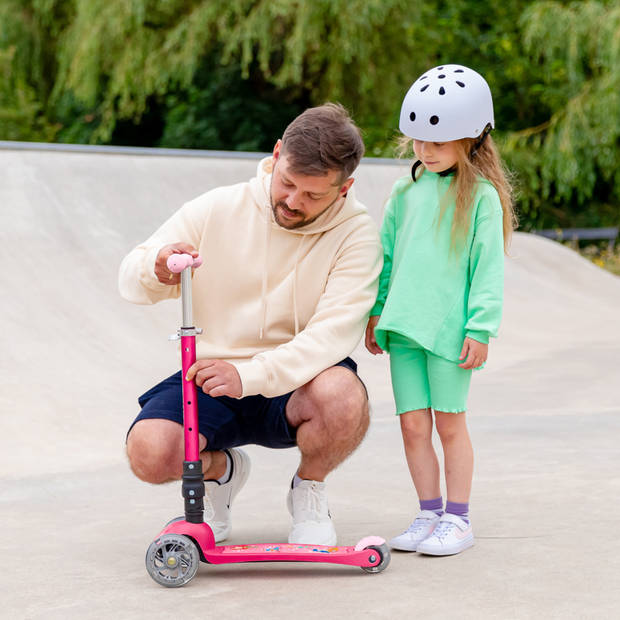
{"points": [[449, 102]]}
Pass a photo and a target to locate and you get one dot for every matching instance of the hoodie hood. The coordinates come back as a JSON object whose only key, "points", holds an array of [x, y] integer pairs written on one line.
{"points": [[344, 209], [339, 212]]}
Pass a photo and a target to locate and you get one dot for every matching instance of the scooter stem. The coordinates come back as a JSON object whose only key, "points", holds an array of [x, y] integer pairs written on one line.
{"points": [[193, 480]]}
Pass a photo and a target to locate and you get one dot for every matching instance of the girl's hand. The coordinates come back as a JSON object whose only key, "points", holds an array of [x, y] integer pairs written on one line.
{"points": [[371, 343], [475, 352]]}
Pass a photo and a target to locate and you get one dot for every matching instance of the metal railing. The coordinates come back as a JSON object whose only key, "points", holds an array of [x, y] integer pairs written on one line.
{"points": [[580, 234]]}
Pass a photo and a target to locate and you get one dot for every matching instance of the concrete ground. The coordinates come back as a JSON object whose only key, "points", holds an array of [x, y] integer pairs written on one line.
{"points": [[76, 523]]}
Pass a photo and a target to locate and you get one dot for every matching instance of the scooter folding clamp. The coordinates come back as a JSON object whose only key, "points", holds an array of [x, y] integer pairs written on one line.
{"points": [[186, 331]]}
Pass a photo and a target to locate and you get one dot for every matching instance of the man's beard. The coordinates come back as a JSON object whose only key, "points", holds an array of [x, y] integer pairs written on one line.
{"points": [[289, 225], [296, 224]]}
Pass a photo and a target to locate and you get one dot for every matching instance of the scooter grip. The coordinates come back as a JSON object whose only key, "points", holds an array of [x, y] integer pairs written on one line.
{"points": [[178, 262]]}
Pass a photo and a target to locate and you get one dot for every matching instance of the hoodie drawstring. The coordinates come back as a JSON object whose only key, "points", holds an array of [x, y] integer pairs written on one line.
{"points": [[263, 296], [297, 255], [263, 308]]}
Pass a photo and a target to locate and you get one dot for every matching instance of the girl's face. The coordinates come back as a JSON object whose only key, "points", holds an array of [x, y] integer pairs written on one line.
{"points": [[436, 156]]}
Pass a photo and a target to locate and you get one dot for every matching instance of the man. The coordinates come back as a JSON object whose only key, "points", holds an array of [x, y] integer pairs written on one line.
{"points": [[290, 268]]}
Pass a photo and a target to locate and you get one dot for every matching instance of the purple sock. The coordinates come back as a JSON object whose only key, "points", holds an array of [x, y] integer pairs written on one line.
{"points": [[460, 510], [436, 505]]}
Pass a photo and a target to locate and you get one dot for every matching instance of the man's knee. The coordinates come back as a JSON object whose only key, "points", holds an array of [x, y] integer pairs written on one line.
{"points": [[155, 450], [340, 398]]}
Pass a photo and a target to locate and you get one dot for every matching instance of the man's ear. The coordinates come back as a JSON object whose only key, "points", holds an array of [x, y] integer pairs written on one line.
{"points": [[346, 186], [276, 149]]}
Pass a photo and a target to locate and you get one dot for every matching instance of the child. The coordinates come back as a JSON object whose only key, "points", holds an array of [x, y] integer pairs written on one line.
{"points": [[440, 294]]}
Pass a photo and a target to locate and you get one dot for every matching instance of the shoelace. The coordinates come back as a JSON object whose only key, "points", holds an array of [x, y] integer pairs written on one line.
{"points": [[311, 503], [417, 525], [443, 529]]}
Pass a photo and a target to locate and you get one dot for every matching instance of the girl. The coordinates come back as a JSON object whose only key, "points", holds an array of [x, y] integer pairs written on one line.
{"points": [[440, 294]]}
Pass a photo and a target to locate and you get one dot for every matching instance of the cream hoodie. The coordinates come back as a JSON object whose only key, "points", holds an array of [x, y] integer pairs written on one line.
{"points": [[281, 305]]}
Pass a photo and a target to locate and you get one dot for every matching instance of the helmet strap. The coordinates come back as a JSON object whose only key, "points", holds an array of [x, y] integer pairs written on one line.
{"points": [[447, 171], [418, 163], [414, 169], [480, 140]]}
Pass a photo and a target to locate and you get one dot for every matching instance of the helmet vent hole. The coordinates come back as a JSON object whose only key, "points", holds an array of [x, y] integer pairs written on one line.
{"points": [[439, 68], [423, 88], [412, 116], [460, 84], [434, 120], [442, 91], [459, 71], [424, 77], [441, 77]]}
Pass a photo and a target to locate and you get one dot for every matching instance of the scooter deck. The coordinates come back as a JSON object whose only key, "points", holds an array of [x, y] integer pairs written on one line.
{"points": [[271, 552], [286, 552]]}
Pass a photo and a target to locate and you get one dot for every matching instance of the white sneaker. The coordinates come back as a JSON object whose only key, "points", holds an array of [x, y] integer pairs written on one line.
{"points": [[452, 535], [312, 523], [421, 528], [219, 497]]}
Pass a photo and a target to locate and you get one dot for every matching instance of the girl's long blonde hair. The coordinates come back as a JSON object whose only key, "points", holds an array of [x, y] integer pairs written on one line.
{"points": [[486, 163]]}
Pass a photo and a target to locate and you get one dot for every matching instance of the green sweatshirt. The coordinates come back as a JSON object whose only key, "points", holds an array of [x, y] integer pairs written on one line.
{"points": [[428, 292]]}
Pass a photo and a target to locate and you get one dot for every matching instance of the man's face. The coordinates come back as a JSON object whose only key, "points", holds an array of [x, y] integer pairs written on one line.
{"points": [[299, 199]]}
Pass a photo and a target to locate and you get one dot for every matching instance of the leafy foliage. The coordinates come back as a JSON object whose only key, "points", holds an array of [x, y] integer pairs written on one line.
{"points": [[251, 115], [573, 156], [230, 74]]}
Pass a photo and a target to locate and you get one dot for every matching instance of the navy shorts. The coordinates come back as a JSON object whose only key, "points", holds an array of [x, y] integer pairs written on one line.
{"points": [[226, 422]]}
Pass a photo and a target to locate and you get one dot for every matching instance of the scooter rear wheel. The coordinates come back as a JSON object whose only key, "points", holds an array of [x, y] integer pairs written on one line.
{"points": [[384, 555], [172, 560]]}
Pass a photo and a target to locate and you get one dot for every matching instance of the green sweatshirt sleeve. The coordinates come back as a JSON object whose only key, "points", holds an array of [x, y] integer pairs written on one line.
{"points": [[388, 233], [486, 272]]}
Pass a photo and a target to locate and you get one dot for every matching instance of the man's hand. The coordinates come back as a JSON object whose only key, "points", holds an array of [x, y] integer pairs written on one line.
{"points": [[475, 352], [164, 275], [371, 343], [216, 378]]}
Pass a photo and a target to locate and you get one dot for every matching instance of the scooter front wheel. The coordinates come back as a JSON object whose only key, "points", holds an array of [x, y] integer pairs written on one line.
{"points": [[172, 560], [384, 556]]}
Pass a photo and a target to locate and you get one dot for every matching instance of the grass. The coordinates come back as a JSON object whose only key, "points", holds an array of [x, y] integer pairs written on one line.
{"points": [[603, 257]]}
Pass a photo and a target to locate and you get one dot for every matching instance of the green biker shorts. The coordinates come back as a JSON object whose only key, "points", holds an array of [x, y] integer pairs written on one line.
{"points": [[421, 379]]}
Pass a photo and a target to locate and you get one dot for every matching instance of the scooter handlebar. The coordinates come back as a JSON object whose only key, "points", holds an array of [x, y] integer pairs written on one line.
{"points": [[178, 262]]}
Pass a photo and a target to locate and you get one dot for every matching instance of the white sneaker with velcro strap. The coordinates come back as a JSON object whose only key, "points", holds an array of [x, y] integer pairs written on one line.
{"points": [[421, 528], [452, 535]]}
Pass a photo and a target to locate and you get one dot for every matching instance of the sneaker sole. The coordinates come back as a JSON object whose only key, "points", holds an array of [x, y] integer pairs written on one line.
{"points": [[453, 550], [401, 547]]}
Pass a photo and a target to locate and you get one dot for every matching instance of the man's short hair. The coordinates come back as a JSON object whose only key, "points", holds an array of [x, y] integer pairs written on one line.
{"points": [[322, 139]]}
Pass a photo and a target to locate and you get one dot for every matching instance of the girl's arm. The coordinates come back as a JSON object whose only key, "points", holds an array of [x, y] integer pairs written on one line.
{"points": [[388, 233], [486, 272], [370, 341]]}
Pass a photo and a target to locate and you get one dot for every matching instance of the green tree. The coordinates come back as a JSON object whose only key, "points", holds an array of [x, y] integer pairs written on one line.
{"points": [[569, 164], [231, 74], [28, 31], [116, 55], [112, 60]]}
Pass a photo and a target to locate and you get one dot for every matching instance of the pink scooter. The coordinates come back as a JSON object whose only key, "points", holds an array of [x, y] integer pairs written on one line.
{"points": [[173, 557]]}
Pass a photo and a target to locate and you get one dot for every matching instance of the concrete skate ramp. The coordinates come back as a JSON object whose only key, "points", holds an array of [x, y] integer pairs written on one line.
{"points": [[75, 355], [544, 415]]}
